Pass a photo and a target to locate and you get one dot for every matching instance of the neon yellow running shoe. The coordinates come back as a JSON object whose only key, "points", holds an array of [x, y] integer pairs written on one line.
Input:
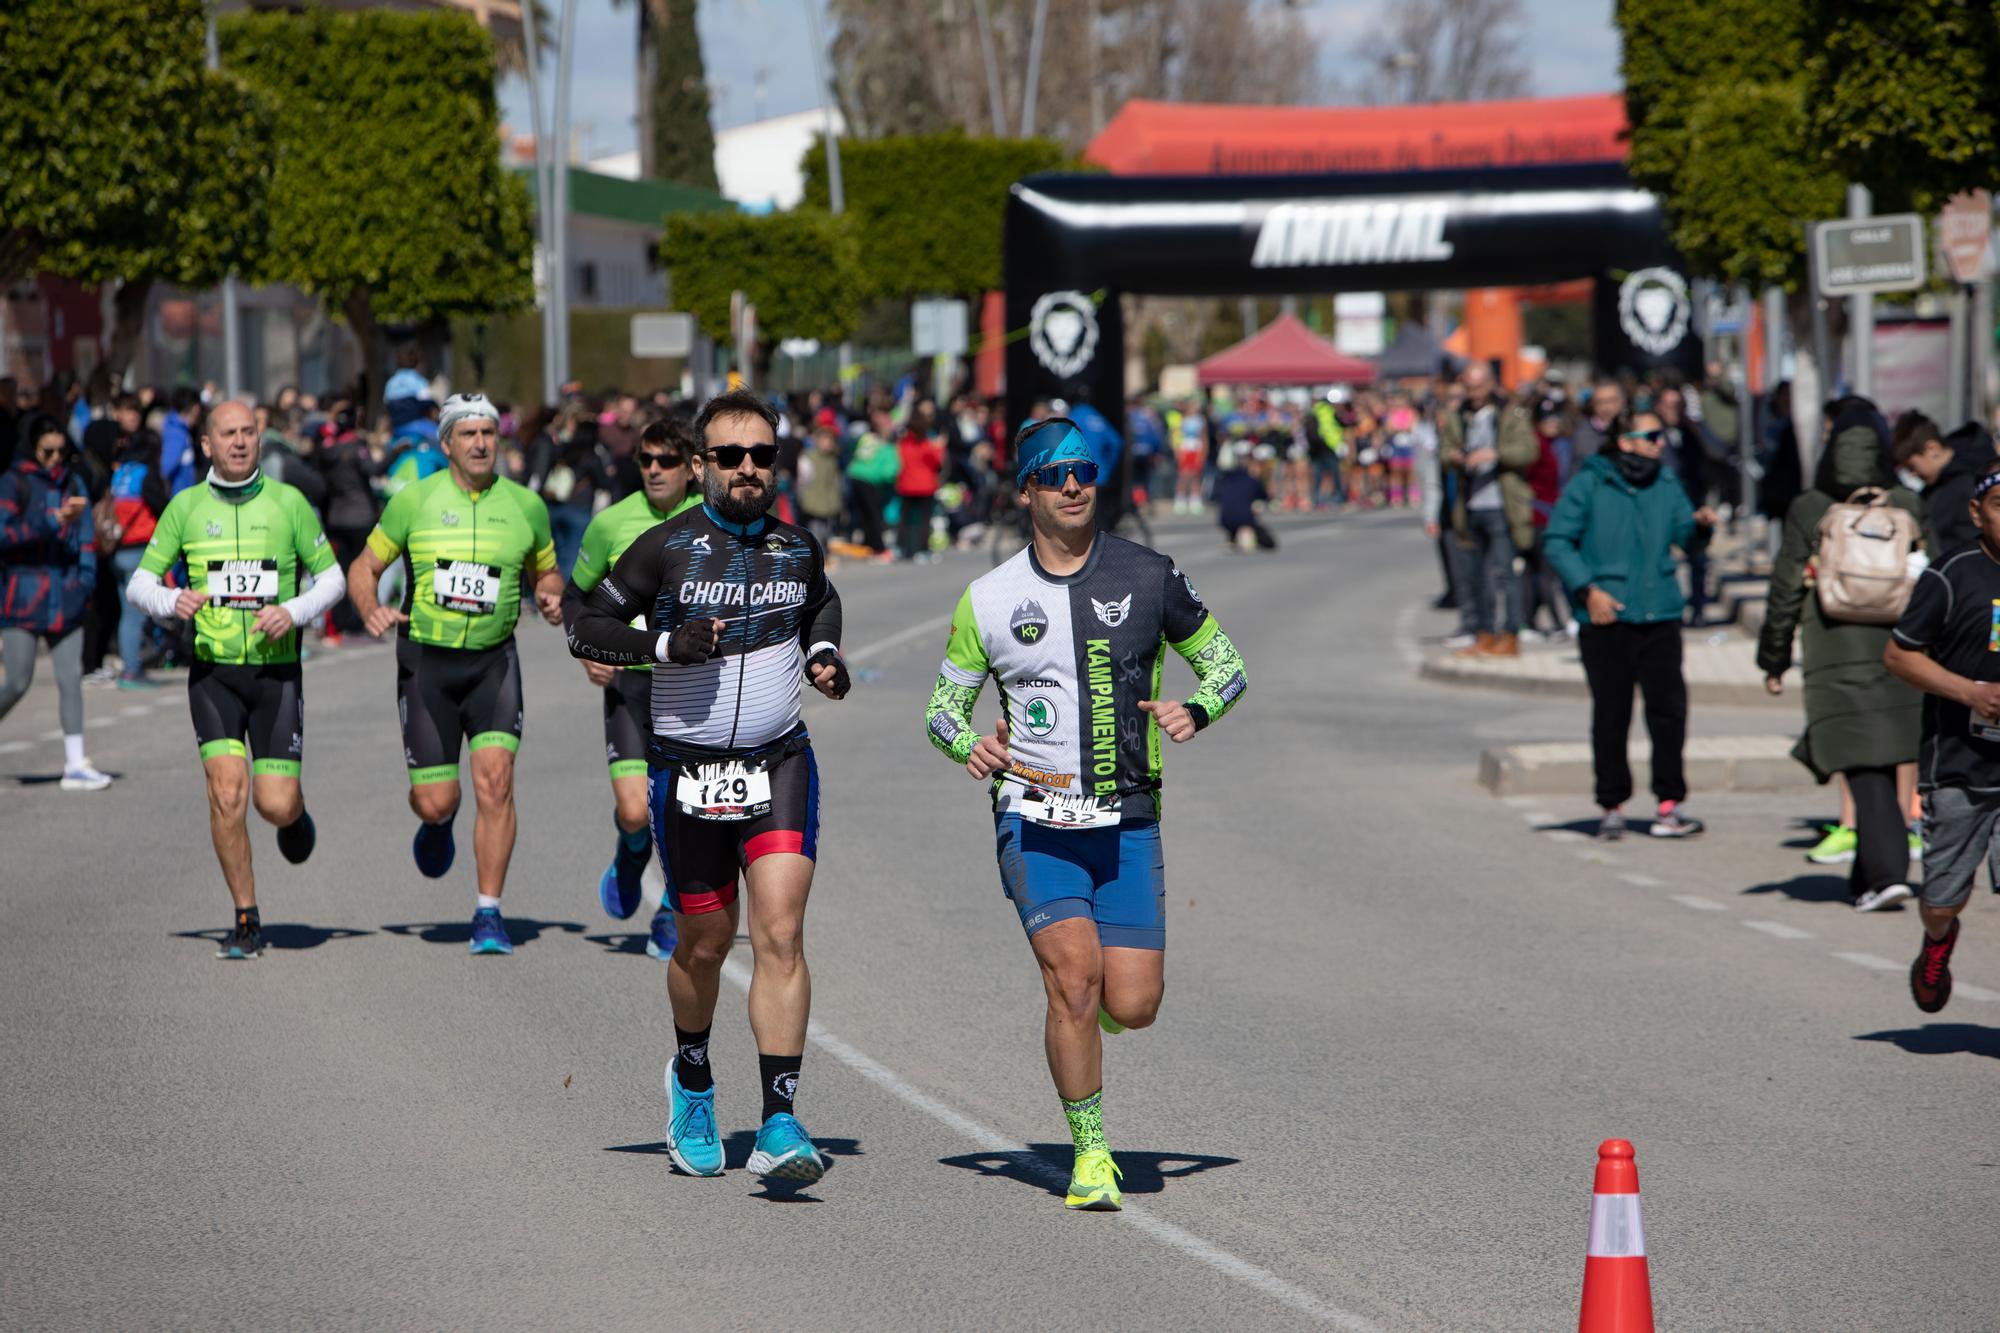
{"points": [[1836, 848], [1093, 1183], [1111, 1026]]}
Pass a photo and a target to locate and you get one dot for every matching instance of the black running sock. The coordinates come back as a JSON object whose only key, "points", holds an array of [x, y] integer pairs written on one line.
{"points": [[781, 1081], [691, 1061]]}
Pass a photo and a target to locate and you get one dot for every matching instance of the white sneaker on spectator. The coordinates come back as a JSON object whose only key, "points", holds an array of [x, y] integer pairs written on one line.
{"points": [[1461, 641], [1876, 899], [84, 777]]}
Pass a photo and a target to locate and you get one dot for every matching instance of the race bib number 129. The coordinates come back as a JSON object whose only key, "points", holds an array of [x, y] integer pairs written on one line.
{"points": [[724, 792]]}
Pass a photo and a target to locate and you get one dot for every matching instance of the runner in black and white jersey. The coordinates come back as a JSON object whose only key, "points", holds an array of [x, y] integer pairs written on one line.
{"points": [[737, 614]]}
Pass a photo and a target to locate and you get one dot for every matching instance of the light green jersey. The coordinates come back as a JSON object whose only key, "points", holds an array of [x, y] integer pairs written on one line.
{"points": [[466, 557], [244, 549]]}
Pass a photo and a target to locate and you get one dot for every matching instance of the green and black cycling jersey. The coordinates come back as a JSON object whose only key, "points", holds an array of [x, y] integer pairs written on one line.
{"points": [[1073, 656], [466, 557], [244, 549]]}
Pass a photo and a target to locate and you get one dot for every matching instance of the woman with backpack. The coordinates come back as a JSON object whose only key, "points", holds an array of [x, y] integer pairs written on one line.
{"points": [[1861, 722], [48, 569]]}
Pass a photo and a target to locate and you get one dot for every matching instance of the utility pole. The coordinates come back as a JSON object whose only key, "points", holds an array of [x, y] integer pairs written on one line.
{"points": [[1861, 308], [836, 194], [565, 61], [1096, 84], [992, 68], [544, 203], [1034, 69], [232, 318]]}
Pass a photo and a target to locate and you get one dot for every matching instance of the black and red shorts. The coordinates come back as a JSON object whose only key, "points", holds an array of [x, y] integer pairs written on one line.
{"points": [[703, 857]]}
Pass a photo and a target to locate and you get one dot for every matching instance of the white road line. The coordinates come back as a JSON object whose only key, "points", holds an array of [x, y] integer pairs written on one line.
{"points": [[900, 636], [1405, 636], [989, 1140], [1643, 881], [1538, 817], [1971, 992], [1519, 802], [1701, 904], [15, 747], [1868, 960], [1777, 930], [1564, 835], [135, 710]]}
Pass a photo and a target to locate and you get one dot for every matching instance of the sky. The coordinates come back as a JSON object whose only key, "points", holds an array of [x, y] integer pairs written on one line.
{"points": [[1571, 43]]}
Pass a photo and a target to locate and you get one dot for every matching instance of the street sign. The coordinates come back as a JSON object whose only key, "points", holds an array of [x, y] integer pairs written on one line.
{"points": [[937, 328], [1854, 256], [668, 335], [1965, 232]]}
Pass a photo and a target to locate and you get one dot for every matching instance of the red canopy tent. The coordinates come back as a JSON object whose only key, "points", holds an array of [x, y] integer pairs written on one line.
{"points": [[1282, 353]]}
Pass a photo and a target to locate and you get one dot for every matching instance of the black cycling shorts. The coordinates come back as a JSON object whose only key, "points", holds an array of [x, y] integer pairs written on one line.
{"points": [[264, 705], [628, 720], [702, 857], [444, 695]]}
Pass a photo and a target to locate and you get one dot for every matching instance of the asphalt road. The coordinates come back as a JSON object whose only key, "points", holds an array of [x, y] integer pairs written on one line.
{"points": [[1400, 1016]]}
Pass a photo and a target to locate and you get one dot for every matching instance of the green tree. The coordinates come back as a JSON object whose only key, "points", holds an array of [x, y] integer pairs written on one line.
{"points": [[1905, 96], [801, 270], [927, 208], [124, 158], [388, 200], [209, 222], [1719, 131], [683, 147]]}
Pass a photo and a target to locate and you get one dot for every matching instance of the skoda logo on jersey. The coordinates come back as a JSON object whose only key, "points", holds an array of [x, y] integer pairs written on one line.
{"points": [[1029, 623], [1113, 613], [449, 518], [1038, 716], [1062, 332], [214, 528], [1653, 309]]}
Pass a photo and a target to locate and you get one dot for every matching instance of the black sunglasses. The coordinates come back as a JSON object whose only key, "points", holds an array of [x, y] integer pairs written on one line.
{"points": [[729, 457], [1649, 436], [659, 460]]}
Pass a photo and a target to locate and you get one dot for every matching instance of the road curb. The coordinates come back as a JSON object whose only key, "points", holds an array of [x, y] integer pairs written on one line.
{"points": [[1713, 763], [1478, 673]]}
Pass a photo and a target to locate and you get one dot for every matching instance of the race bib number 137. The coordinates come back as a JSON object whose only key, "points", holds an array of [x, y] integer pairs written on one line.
{"points": [[242, 585]]}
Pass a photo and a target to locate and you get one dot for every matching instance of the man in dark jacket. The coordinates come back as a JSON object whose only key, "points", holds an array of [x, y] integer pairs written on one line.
{"points": [[1491, 446], [1948, 465]]}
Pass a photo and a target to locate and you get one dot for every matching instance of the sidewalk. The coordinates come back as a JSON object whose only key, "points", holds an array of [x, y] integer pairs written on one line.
{"points": [[1719, 662]]}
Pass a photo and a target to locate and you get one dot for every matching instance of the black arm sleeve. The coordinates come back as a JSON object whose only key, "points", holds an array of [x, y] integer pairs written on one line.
{"points": [[821, 621], [599, 625]]}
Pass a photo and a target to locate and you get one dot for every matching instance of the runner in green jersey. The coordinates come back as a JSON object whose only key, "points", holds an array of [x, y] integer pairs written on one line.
{"points": [[469, 540], [247, 541], [665, 456]]}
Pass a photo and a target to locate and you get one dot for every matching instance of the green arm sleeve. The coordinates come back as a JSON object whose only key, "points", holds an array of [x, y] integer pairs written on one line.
{"points": [[948, 719], [308, 537], [593, 557], [165, 546], [1219, 668]]}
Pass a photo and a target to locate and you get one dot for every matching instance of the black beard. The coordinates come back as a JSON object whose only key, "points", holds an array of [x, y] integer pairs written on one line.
{"points": [[719, 490]]}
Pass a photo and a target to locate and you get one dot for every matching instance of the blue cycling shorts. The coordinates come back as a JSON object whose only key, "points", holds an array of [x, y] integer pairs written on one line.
{"points": [[1116, 877]]}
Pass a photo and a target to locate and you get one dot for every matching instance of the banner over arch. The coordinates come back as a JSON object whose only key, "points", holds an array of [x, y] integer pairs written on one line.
{"points": [[1074, 244]]}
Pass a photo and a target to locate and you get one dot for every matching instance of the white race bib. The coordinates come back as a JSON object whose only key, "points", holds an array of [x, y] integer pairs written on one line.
{"points": [[242, 585], [463, 585], [1067, 809], [726, 791]]}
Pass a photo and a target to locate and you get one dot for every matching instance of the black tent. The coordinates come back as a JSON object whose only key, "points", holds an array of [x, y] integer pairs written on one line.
{"points": [[1415, 354]]}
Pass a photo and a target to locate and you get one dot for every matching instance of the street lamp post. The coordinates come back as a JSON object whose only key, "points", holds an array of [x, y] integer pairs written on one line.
{"points": [[543, 204], [232, 319]]}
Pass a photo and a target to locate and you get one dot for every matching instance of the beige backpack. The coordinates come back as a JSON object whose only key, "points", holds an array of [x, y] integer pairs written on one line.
{"points": [[1863, 568]]}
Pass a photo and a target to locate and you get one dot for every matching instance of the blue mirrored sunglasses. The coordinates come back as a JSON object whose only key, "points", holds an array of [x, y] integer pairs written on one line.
{"points": [[1055, 474]]}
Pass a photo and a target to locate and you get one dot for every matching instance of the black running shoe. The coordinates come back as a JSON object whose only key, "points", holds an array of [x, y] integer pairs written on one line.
{"points": [[297, 839], [246, 940], [1930, 975]]}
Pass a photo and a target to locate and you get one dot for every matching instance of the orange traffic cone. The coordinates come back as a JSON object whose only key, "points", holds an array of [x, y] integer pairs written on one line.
{"points": [[1617, 1297]]}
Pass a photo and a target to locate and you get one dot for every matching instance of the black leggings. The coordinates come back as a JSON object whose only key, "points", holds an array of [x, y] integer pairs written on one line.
{"points": [[913, 524], [1617, 657], [1882, 837]]}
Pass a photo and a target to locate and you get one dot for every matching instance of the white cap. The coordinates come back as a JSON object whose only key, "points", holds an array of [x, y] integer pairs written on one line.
{"points": [[462, 406]]}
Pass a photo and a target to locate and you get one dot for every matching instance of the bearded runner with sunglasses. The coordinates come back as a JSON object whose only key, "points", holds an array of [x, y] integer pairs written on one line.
{"points": [[1073, 630], [738, 616], [665, 457], [470, 540]]}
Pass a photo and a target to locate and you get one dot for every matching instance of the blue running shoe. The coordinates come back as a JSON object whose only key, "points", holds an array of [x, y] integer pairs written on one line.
{"points": [[660, 944], [785, 1153], [489, 932], [618, 887], [691, 1138], [434, 849]]}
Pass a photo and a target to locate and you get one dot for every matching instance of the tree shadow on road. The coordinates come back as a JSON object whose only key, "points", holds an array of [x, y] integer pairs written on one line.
{"points": [[520, 930], [1807, 888], [1942, 1039], [1047, 1166], [736, 1151], [284, 935]]}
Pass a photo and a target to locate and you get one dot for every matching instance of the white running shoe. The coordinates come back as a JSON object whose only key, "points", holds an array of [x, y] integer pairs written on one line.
{"points": [[84, 778], [1877, 899]]}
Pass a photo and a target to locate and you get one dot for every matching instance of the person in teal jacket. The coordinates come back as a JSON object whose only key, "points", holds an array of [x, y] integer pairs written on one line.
{"points": [[1611, 541]]}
